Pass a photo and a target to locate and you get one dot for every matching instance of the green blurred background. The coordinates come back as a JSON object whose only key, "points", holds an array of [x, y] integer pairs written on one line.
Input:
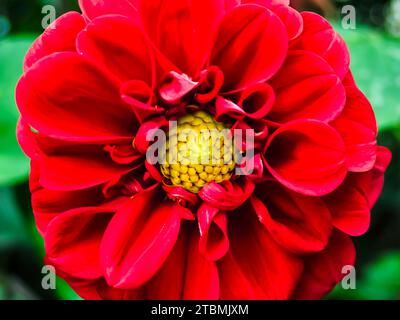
{"points": [[375, 49]]}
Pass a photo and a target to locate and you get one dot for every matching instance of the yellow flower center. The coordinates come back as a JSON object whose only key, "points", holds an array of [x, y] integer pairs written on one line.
{"points": [[199, 150]]}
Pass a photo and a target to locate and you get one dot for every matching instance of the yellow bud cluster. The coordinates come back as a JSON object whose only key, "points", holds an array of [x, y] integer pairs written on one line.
{"points": [[198, 151]]}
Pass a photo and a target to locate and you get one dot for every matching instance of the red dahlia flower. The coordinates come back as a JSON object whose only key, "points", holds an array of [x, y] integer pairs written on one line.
{"points": [[116, 227]]}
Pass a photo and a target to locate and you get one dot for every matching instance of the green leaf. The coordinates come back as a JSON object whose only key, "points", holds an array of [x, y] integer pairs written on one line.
{"points": [[375, 62], [14, 165]]}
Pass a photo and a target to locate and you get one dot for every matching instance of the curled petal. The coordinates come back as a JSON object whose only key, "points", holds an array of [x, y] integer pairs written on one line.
{"points": [[295, 100], [211, 82], [358, 128], [58, 37], [298, 223], [307, 157], [183, 197], [244, 45], [104, 40], [141, 98], [82, 105], [176, 86], [228, 195], [324, 270], [95, 8], [139, 239], [146, 132], [123, 154], [319, 37], [214, 242], [257, 101], [248, 271]]}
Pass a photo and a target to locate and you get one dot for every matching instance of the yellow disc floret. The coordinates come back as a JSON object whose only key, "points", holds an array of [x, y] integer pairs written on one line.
{"points": [[199, 150]]}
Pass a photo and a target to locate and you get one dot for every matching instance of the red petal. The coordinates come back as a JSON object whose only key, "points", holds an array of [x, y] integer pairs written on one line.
{"points": [[48, 204], [67, 97], [141, 98], [94, 8], [169, 282], [72, 241], [186, 274], [78, 171], [255, 266], [255, 103], [318, 36], [58, 37], [214, 242], [228, 195], [324, 270], [308, 157], [357, 125], [146, 132], [183, 30], [211, 82], [291, 18], [349, 207], [267, 3], [139, 239], [176, 86], [118, 44], [201, 278], [306, 88], [298, 223], [243, 46]]}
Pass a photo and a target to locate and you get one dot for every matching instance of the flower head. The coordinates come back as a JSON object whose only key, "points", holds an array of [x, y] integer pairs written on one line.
{"points": [[118, 226]]}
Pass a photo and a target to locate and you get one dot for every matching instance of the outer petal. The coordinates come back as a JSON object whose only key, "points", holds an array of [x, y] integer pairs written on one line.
{"points": [[117, 43], [250, 47], [298, 223], [183, 30], [290, 17], [95, 8], [58, 37], [324, 270], [267, 3], [307, 157], [78, 171], [357, 125], [374, 189], [72, 241], [67, 97], [318, 36], [349, 207], [213, 224], [306, 88], [48, 204], [201, 278], [186, 274], [139, 239], [255, 266]]}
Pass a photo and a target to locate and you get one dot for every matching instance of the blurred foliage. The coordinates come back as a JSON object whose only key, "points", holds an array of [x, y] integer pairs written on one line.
{"points": [[13, 163], [376, 67]]}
